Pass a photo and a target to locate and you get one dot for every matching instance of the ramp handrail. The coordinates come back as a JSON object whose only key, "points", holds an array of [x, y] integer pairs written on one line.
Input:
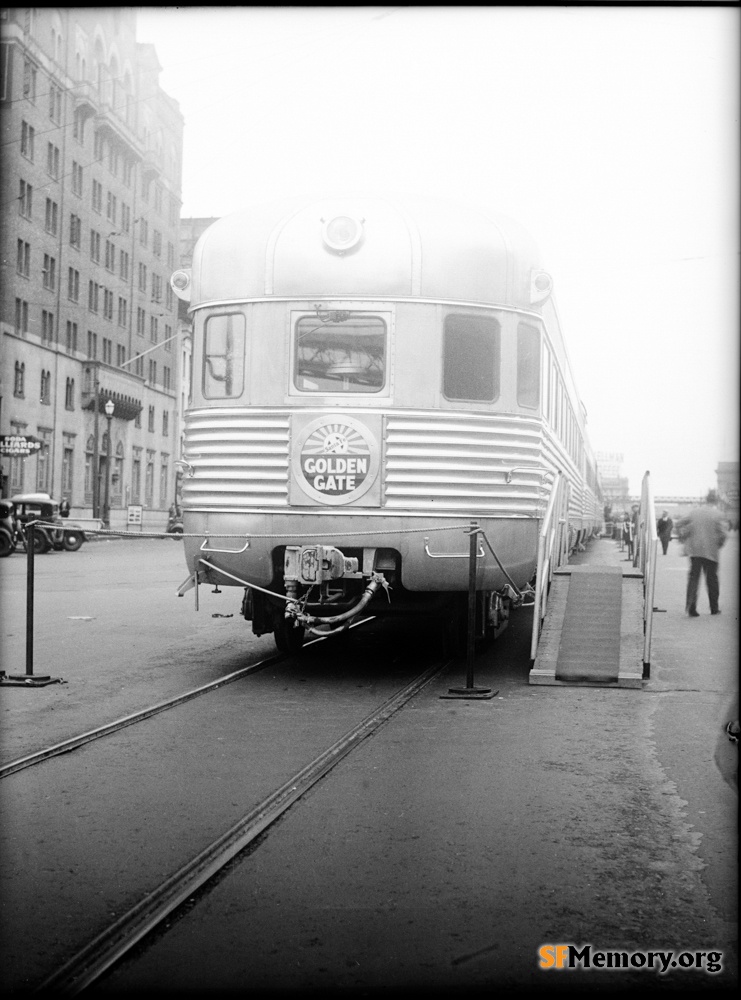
{"points": [[646, 547], [553, 550]]}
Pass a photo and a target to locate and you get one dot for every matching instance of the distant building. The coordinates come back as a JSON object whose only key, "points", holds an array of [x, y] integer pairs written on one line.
{"points": [[614, 485], [91, 193]]}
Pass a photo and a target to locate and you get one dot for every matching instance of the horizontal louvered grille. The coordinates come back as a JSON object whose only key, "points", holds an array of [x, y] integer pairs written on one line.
{"points": [[432, 462], [239, 458], [437, 462]]}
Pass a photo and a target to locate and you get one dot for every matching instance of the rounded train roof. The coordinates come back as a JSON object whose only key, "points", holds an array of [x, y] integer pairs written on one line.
{"points": [[368, 246]]}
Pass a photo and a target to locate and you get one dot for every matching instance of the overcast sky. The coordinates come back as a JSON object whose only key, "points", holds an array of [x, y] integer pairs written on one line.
{"points": [[611, 133]]}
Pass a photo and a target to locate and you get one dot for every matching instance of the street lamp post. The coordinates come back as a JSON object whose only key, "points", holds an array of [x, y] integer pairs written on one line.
{"points": [[109, 408]]}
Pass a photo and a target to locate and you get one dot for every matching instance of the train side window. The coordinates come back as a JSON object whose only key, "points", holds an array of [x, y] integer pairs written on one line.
{"points": [[471, 357], [223, 356], [528, 365]]}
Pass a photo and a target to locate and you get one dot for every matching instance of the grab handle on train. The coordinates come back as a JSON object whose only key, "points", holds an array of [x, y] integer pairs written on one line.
{"points": [[452, 555], [205, 547]]}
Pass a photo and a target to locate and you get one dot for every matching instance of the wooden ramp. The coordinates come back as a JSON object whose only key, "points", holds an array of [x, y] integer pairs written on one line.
{"points": [[593, 629]]}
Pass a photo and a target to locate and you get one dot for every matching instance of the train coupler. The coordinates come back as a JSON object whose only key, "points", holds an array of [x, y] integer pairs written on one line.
{"points": [[313, 564]]}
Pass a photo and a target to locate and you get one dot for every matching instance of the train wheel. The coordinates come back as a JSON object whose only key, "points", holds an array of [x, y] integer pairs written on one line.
{"points": [[289, 637], [73, 540]]}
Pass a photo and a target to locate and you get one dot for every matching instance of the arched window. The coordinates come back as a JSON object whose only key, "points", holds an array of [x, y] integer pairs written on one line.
{"points": [[69, 394], [19, 385]]}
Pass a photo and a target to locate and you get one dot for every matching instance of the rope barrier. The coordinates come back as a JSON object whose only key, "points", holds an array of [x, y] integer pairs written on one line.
{"points": [[247, 535]]}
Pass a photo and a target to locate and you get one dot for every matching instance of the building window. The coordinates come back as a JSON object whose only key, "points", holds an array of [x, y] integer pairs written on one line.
{"points": [[107, 304], [42, 461], [71, 337], [19, 385], [150, 424], [153, 372], [139, 369], [157, 243], [154, 334], [25, 200], [47, 326], [123, 311], [75, 231], [110, 256], [29, 81], [165, 377], [23, 265], [49, 272], [149, 480], [92, 296], [55, 103], [28, 139], [45, 389], [164, 481], [113, 160], [92, 345], [136, 476], [156, 287], [73, 285], [51, 218], [158, 198], [76, 179], [143, 231], [142, 277], [111, 205], [68, 465], [97, 196], [120, 355], [169, 301], [123, 265], [125, 217], [78, 126], [69, 394], [141, 320], [107, 351], [21, 316], [118, 475], [52, 160], [128, 173], [165, 423], [168, 337], [89, 456], [94, 246], [98, 147]]}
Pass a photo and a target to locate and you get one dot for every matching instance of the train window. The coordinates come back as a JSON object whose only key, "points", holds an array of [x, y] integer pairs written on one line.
{"points": [[471, 353], [528, 365], [223, 356], [340, 351]]}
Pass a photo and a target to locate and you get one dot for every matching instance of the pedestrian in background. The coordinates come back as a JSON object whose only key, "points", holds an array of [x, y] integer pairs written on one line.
{"points": [[664, 530], [703, 532], [628, 534]]}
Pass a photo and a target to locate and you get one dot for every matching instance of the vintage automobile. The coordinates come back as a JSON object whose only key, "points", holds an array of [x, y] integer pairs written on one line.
{"points": [[41, 507]]}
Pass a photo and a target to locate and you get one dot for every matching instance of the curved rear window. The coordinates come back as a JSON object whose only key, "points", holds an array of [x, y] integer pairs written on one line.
{"points": [[471, 357]]}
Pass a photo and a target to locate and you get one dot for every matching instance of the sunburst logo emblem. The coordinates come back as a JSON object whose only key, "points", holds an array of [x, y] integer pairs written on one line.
{"points": [[337, 459]]}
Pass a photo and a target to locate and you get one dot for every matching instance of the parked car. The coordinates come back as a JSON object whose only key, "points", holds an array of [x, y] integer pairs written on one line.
{"points": [[40, 506], [8, 528]]}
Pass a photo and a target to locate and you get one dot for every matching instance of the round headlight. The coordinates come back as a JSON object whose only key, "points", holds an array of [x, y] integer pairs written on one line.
{"points": [[342, 233]]}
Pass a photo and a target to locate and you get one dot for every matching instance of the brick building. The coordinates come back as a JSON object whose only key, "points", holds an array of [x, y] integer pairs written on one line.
{"points": [[91, 195]]}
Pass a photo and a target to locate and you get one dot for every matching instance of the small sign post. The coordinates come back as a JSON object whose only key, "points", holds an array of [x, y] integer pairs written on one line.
{"points": [[134, 515]]}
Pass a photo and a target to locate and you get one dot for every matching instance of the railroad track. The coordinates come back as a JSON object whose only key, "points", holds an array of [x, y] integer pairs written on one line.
{"points": [[110, 728], [90, 963]]}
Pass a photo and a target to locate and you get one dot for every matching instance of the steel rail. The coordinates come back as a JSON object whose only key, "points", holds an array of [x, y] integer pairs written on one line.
{"points": [[93, 960], [74, 742]]}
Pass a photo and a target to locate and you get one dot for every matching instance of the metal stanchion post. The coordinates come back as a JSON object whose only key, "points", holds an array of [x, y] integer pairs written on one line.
{"points": [[470, 691], [29, 679]]}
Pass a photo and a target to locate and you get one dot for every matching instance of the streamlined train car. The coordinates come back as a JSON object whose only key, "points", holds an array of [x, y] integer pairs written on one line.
{"points": [[370, 375]]}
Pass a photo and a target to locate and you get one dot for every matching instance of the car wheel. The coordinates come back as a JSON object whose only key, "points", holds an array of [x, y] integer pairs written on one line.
{"points": [[73, 540]]}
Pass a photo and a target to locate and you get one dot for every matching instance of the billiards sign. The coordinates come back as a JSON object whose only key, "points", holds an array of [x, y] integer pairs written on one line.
{"points": [[335, 459]]}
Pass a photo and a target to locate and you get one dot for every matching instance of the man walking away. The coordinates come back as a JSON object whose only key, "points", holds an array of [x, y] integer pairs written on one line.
{"points": [[703, 532], [664, 530]]}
